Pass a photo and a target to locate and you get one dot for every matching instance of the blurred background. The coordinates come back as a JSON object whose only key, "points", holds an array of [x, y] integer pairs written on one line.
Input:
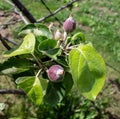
{"points": [[100, 23]]}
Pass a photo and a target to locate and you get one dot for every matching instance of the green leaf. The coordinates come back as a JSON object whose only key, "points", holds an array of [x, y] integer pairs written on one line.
{"points": [[2, 106], [62, 61], [44, 30], [68, 82], [23, 74], [37, 29], [41, 38], [55, 93], [88, 70], [48, 47], [44, 84], [14, 66], [52, 53], [28, 26], [32, 86], [78, 38], [27, 47], [47, 44]]}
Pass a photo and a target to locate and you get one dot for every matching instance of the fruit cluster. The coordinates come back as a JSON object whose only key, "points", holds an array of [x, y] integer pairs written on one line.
{"points": [[56, 72]]}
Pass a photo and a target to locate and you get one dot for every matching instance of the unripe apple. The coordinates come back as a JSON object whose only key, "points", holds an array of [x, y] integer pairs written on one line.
{"points": [[69, 25], [55, 73]]}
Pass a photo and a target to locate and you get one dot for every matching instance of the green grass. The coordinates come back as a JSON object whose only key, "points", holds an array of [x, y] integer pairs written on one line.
{"points": [[4, 6]]}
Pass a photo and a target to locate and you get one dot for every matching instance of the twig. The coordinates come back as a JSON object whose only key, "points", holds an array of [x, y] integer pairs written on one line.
{"points": [[12, 91], [9, 2], [39, 62], [23, 9], [4, 25], [18, 12], [4, 43], [9, 40], [23, 18], [50, 11], [6, 22], [56, 11], [112, 67]]}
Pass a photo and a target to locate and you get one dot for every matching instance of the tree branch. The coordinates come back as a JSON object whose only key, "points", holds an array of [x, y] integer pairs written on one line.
{"points": [[4, 25], [9, 40], [12, 91], [50, 11], [112, 67], [25, 20], [23, 9], [56, 11], [4, 43]]}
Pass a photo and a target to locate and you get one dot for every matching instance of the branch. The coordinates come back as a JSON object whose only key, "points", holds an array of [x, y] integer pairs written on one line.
{"points": [[24, 10], [24, 19], [9, 2], [50, 11], [56, 11], [4, 25], [6, 22], [112, 67], [12, 91], [18, 12], [4, 43], [9, 40]]}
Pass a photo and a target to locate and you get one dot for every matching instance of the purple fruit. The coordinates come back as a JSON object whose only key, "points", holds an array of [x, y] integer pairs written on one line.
{"points": [[55, 73], [69, 25]]}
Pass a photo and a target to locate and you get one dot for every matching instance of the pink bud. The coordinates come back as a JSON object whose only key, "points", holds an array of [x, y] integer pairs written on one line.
{"points": [[69, 25], [55, 73], [58, 35]]}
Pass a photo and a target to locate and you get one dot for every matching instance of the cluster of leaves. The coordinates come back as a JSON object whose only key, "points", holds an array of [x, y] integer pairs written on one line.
{"points": [[28, 64]]}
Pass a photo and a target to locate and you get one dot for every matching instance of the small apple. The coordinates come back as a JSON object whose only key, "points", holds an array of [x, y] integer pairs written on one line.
{"points": [[55, 73], [69, 25]]}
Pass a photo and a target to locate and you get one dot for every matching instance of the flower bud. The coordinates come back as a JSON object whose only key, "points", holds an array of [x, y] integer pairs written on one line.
{"points": [[58, 35], [55, 73], [69, 25], [51, 26]]}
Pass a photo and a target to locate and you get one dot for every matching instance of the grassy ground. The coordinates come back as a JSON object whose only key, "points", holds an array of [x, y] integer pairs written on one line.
{"points": [[100, 22]]}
